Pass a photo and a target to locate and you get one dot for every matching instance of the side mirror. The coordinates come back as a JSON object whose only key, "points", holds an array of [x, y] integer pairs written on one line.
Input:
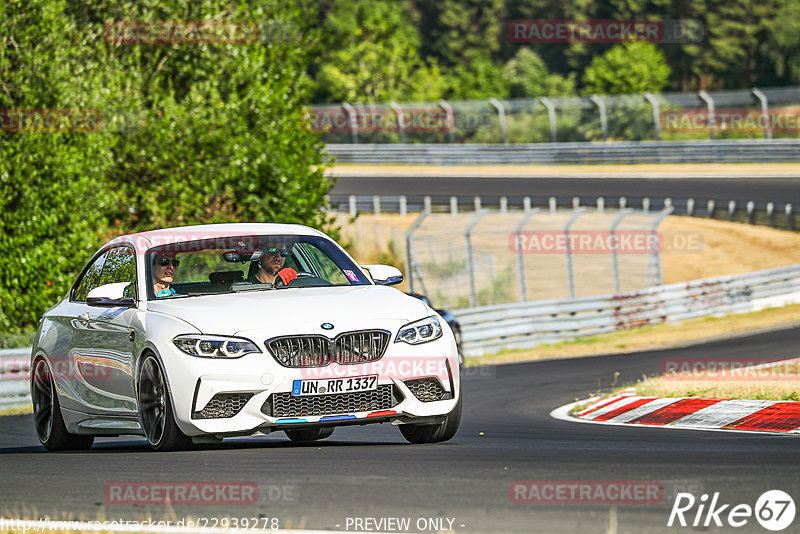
{"points": [[110, 295], [384, 275]]}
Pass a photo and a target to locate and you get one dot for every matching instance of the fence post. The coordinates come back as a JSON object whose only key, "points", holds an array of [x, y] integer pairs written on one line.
{"points": [[426, 204], [601, 106], [453, 206], [656, 114], [601, 204], [750, 208], [526, 204], [352, 116], [576, 203], [771, 214], [655, 257], [668, 202], [410, 265], [352, 201], [712, 118], [789, 222], [731, 210], [764, 112], [376, 205], [570, 275], [520, 253], [403, 206], [501, 116], [710, 207], [690, 207], [401, 120], [477, 202], [646, 204], [503, 204], [552, 204], [614, 258], [623, 202], [451, 119], [551, 114], [473, 294]]}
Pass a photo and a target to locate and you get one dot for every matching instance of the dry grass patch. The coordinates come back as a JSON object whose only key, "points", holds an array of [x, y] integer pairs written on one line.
{"points": [[779, 382]]}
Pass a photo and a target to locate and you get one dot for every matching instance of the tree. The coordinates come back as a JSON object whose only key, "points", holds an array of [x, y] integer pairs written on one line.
{"points": [[190, 133], [372, 55], [527, 76], [626, 69]]}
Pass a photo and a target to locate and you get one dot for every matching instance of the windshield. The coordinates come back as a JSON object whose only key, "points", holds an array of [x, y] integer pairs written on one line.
{"points": [[247, 263]]}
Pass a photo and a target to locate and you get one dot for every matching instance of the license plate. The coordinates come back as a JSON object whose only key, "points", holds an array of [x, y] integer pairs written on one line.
{"points": [[332, 386]]}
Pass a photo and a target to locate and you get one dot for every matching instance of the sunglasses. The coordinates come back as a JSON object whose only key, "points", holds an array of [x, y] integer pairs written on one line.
{"points": [[275, 251], [166, 261]]}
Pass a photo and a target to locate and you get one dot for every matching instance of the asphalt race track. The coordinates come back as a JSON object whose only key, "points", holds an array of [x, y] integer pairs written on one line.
{"points": [[777, 190], [506, 435]]}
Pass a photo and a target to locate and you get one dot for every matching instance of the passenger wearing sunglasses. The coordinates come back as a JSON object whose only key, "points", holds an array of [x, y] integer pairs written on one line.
{"points": [[163, 273], [270, 266]]}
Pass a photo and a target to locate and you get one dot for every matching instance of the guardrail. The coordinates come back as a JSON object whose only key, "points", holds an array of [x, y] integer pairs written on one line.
{"points": [[746, 150], [750, 212], [15, 378], [528, 324]]}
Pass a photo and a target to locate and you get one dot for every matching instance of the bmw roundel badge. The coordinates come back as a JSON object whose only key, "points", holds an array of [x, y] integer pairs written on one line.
{"points": [[327, 326]]}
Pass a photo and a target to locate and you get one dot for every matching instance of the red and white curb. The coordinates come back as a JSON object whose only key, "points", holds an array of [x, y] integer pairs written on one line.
{"points": [[627, 408]]}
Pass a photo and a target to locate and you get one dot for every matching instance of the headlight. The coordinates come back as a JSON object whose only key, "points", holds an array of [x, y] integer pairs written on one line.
{"points": [[215, 346], [420, 331]]}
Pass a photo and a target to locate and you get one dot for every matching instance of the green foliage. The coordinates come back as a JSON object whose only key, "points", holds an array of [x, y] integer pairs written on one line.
{"points": [[626, 69], [191, 133], [527, 76]]}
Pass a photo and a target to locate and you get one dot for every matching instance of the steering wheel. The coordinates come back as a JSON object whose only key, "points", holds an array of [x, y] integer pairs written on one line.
{"points": [[300, 274]]}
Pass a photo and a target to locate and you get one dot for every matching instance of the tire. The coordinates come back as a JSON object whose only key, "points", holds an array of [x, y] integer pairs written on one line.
{"points": [[309, 434], [155, 409], [434, 433], [47, 418], [457, 336]]}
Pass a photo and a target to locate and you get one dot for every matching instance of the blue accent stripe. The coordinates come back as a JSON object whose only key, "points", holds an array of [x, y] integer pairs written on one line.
{"points": [[337, 417], [296, 387], [290, 420]]}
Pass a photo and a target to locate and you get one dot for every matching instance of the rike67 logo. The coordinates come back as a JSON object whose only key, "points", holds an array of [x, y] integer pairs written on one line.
{"points": [[774, 510]]}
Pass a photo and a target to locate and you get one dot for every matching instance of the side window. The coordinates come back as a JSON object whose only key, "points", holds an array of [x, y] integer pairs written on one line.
{"points": [[324, 265], [120, 266], [91, 278]]}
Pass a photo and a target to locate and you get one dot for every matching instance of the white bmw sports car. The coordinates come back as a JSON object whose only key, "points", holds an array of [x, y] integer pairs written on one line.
{"points": [[190, 335]]}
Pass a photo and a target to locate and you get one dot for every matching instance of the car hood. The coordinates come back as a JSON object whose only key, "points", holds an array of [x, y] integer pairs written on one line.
{"points": [[295, 309]]}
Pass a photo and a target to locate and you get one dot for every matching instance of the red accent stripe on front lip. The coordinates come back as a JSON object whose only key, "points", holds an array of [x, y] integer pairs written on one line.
{"points": [[674, 411], [619, 411], [779, 417], [383, 413]]}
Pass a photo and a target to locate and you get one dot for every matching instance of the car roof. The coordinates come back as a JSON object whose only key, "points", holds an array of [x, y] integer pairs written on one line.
{"points": [[143, 241]]}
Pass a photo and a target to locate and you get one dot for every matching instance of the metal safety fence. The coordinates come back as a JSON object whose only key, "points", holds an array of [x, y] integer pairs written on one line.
{"points": [[489, 329], [622, 152], [15, 378], [776, 215], [767, 113], [491, 257]]}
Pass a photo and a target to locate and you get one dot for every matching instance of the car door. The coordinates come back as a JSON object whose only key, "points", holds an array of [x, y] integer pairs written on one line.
{"points": [[102, 355]]}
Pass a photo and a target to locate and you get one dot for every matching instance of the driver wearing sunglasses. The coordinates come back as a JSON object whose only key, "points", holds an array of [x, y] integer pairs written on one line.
{"points": [[270, 266], [164, 267]]}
